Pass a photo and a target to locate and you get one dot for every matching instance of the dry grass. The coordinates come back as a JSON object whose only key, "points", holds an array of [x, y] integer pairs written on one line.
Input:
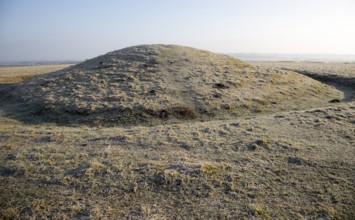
{"points": [[286, 165], [16, 74], [326, 69], [162, 84], [270, 167]]}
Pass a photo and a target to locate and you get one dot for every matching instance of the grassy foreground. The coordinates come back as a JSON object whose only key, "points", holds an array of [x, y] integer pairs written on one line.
{"points": [[291, 165]]}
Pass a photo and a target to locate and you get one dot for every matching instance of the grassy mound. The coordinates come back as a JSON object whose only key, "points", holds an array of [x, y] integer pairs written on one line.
{"points": [[157, 84]]}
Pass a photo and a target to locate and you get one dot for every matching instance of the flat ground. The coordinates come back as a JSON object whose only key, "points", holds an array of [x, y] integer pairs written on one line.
{"points": [[284, 165], [14, 74]]}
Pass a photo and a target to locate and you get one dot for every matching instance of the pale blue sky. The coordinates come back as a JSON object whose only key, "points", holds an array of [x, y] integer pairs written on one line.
{"points": [[81, 29]]}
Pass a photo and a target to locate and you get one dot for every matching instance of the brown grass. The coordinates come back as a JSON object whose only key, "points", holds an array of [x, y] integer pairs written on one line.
{"points": [[271, 167], [290, 165], [162, 84], [16, 74]]}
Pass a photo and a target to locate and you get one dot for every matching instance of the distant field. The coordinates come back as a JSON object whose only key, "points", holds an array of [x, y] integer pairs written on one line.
{"points": [[16, 74]]}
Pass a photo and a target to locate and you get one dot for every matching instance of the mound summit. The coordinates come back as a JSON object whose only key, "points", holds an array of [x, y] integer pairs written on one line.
{"points": [[155, 84]]}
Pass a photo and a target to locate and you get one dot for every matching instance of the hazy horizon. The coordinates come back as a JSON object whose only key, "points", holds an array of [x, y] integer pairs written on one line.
{"points": [[242, 56], [79, 30]]}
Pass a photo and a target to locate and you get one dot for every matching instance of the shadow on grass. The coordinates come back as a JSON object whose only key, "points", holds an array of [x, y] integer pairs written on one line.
{"points": [[341, 83]]}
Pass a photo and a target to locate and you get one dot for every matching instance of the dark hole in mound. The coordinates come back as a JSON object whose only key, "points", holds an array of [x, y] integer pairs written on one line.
{"points": [[295, 160], [175, 112], [163, 114], [183, 113], [252, 147], [220, 86], [334, 101], [152, 92], [217, 95]]}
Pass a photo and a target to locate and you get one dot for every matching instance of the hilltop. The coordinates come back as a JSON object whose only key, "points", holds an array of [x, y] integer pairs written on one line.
{"points": [[158, 84]]}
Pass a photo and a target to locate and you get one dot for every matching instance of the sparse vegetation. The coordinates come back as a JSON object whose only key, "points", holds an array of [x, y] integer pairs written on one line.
{"points": [[283, 165], [161, 84]]}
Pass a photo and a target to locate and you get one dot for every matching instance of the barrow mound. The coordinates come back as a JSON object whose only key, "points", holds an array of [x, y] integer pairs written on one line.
{"points": [[157, 84]]}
